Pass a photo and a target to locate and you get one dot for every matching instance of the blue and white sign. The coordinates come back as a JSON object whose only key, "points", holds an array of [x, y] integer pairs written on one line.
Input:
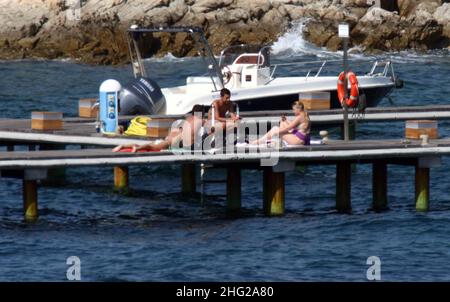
{"points": [[109, 100]]}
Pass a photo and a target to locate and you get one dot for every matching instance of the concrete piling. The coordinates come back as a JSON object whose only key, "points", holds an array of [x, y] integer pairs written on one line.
{"points": [[121, 179], [233, 189], [30, 200], [379, 186], [343, 187], [422, 188], [188, 181], [273, 192]]}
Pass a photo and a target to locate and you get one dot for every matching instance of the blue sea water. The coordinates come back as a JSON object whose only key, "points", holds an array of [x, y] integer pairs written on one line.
{"points": [[156, 234]]}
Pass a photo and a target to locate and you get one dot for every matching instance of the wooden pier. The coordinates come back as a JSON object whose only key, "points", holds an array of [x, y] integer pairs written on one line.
{"points": [[34, 165], [46, 152]]}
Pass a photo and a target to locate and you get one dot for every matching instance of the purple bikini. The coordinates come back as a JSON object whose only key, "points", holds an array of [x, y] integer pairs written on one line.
{"points": [[305, 138]]}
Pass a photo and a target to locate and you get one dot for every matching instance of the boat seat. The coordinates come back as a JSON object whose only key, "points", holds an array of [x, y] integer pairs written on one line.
{"points": [[249, 59]]}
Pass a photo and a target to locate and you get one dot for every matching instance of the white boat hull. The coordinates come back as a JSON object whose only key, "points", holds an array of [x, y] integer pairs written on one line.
{"points": [[278, 94]]}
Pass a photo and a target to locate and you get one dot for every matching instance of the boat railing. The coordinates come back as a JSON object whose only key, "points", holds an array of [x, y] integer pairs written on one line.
{"points": [[388, 66], [321, 64]]}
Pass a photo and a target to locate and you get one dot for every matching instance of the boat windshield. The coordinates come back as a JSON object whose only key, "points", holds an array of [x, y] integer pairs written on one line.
{"points": [[245, 54]]}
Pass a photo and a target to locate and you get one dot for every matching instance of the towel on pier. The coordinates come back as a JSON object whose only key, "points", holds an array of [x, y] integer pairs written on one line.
{"points": [[142, 150]]}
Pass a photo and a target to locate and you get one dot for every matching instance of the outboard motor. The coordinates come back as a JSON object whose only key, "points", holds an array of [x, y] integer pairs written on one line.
{"points": [[142, 96], [398, 83]]}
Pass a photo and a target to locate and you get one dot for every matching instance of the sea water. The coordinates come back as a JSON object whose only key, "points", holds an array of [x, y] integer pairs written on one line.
{"points": [[156, 234]]}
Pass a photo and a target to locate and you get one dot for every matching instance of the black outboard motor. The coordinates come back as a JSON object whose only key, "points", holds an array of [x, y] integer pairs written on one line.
{"points": [[141, 96], [398, 83]]}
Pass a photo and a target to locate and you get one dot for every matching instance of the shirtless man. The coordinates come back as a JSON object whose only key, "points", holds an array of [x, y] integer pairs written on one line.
{"points": [[185, 135], [221, 107]]}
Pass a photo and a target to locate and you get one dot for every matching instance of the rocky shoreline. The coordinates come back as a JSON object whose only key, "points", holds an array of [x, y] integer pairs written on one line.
{"points": [[92, 31]]}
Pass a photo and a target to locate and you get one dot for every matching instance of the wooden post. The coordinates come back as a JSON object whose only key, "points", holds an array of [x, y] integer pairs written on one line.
{"points": [[422, 188], [188, 184], [379, 186], [343, 187], [233, 189], [30, 200], [121, 179], [273, 192]]}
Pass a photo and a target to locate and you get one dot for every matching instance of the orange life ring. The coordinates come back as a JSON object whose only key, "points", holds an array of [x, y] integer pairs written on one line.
{"points": [[351, 101]]}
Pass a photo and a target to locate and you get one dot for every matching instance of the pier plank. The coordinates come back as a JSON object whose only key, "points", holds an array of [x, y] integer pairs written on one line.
{"points": [[355, 151]]}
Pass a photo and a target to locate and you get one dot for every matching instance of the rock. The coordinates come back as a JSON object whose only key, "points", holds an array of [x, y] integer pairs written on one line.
{"points": [[419, 32], [355, 3], [378, 16], [273, 18], [177, 10], [43, 28], [424, 13], [232, 16], [28, 43], [4, 43], [257, 9], [204, 6], [295, 12], [442, 14], [192, 19], [408, 7], [319, 32]]}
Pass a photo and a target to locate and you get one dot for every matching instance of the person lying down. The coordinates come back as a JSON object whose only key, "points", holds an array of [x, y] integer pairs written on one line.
{"points": [[183, 136]]}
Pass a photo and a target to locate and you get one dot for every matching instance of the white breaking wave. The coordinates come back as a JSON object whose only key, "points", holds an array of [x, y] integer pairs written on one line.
{"points": [[293, 43], [411, 56], [169, 57]]}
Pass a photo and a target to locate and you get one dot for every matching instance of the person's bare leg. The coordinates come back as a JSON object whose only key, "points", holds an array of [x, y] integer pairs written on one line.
{"points": [[120, 147], [274, 131], [291, 139], [117, 149], [151, 146]]}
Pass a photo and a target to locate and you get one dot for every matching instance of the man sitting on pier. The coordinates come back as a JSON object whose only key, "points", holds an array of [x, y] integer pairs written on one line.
{"points": [[186, 136], [222, 114]]}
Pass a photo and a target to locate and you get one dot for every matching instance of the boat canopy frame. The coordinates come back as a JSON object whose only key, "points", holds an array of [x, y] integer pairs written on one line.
{"points": [[201, 44]]}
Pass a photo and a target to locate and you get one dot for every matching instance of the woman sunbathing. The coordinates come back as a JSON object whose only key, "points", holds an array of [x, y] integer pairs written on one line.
{"points": [[295, 132]]}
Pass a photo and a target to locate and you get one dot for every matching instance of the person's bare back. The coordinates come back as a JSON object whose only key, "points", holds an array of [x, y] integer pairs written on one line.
{"points": [[190, 129]]}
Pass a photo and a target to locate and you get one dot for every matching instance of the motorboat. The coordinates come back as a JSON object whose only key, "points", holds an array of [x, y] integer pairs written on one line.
{"points": [[247, 71]]}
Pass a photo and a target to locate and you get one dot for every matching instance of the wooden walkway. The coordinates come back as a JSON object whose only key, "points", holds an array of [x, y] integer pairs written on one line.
{"points": [[81, 131], [335, 116], [354, 151], [34, 166]]}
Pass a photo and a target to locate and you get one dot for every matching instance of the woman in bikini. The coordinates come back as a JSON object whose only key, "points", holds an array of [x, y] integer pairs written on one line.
{"points": [[295, 132]]}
